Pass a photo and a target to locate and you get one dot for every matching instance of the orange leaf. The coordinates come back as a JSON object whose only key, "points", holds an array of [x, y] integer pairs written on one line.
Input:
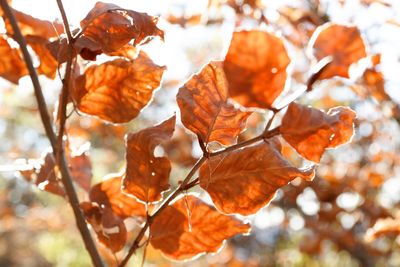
{"points": [[33, 26], [246, 180], [255, 67], [311, 131], [110, 229], [108, 193], [47, 178], [12, 67], [375, 83], [108, 27], [343, 43], [48, 64], [117, 90], [190, 227], [146, 175], [81, 170], [384, 227], [205, 110]]}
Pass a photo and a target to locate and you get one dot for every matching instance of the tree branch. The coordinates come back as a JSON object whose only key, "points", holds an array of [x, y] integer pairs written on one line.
{"points": [[186, 184], [45, 117], [62, 108]]}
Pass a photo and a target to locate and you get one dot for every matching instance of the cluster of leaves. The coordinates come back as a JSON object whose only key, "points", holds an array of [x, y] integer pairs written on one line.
{"points": [[214, 104]]}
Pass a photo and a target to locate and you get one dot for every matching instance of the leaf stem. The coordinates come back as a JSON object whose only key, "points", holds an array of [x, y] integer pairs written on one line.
{"points": [[45, 117]]}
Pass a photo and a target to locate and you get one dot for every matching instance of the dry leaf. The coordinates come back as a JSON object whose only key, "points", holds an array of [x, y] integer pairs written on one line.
{"points": [[343, 43], [48, 64], [205, 110], [190, 227], [33, 26], [147, 175], [110, 229], [108, 27], [255, 67], [12, 67], [117, 90], [81, 170], [47, 178], [245, 180], [311, 131], [108, 193]]}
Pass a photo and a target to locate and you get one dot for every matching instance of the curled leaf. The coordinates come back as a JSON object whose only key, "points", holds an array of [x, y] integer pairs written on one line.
{"points": [[245, 180], [147, 175], [110, 229], [205, 110], [117, 90], [311, 131], [108, 27], [343, 43], [255, 67], [190, 227], [47, 178]]}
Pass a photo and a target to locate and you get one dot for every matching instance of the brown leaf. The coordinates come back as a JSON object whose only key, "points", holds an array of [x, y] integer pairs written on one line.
{"points": [[12, 67], [47, 178], [81, 170], [246, 180], [190, 227], [205, 110], [117, 90], [110, 229], [108, 27], [108, 193], [255, 67], [311, 131], [147, 175], [375, 83], [384, 227], [127, 51], [180, 148], [33, 26], [317, 70], [48, 64], [343, 43]]}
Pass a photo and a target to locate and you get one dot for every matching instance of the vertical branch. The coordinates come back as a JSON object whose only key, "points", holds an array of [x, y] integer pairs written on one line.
{"points": [[45, 117], [62, 109]]}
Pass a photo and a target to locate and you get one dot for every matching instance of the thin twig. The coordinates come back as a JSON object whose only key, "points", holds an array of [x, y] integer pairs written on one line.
{"points": [[62, 109], [45, 117], [260, 137]]}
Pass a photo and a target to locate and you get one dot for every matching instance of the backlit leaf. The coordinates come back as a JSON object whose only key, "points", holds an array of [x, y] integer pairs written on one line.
{"points": [[245, 180], [255, 67], [147, 175], [108, 193], [47, 179], [48, 64], [343, 43], [110, 229], [205, 110], [190, 227], [117, 90], [108, 27], [12, 67], [33, 26], [311, 131]]}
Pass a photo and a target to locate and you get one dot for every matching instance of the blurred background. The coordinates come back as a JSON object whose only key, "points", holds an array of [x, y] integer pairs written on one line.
{"points": [[348, 216]]}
